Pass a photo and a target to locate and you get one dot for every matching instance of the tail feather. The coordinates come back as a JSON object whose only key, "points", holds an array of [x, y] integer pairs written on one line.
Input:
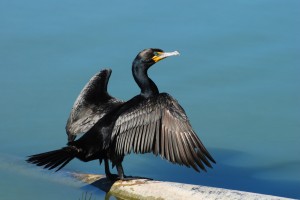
{"points": [[41, 160], [52, 159], [56, 163], [64, 164]]}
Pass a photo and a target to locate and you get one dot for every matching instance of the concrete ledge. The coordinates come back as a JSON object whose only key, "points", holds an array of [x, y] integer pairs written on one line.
{"points": [[150, 189]]}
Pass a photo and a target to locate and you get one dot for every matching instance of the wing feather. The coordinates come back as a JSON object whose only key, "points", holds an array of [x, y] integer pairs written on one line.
{"points": [[146, 137], [192, 150], [159, 125], [128, 145], [162, 143], [91, 105], [140, 132], [187, 150], [166, 144], [151, 137], [130, 141], [157, 138], [118, 145], [132, 134], [122, 144], [171, 147], [134, 142], [182, 151], [177, 153]]}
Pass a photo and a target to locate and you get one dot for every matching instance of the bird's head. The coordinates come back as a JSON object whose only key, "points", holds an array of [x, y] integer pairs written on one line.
{"points": [[146, 58]]}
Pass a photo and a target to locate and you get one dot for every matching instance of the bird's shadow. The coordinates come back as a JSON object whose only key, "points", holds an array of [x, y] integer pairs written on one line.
{"points": [[103, 184]]}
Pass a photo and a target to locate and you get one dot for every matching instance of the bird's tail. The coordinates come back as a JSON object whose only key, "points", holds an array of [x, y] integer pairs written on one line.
{"points": [[52, 159]]}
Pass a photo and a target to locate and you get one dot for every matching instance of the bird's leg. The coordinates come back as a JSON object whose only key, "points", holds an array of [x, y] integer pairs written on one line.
{"points": [[120, 171], [127, 178], [110, 176], [106, 164]]}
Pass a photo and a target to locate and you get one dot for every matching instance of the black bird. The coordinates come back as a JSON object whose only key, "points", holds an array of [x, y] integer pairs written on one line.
{"points": [[149, 122]]}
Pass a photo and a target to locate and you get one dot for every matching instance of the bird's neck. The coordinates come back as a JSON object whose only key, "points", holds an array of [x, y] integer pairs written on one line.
{"points": [[148, 87]]}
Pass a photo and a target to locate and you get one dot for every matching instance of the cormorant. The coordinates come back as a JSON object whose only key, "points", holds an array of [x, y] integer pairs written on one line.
{"points": [[149, 122]]}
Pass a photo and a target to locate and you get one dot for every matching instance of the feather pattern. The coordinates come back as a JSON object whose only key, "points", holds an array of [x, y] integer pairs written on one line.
{"points": [[159, 125], [91, 105]]}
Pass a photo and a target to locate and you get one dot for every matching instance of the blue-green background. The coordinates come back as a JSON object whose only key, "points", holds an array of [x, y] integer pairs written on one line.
{"points": [[237, 78]]}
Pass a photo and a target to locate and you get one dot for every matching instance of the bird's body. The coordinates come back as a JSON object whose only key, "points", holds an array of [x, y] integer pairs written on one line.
{"points": [[149, 122]]}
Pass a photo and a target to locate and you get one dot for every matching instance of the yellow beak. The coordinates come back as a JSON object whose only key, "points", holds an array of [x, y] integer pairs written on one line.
{"points": [[162, 55]]}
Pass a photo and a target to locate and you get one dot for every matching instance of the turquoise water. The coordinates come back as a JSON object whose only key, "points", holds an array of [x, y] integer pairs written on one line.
{"points": [[237, 78]]}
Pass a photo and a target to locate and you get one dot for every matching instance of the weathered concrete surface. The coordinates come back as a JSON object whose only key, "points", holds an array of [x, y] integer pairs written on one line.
{"points": [[150, 190]]}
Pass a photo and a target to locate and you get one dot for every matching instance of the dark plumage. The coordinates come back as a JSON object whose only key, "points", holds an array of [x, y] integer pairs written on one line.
{"points": [[149, 122]]}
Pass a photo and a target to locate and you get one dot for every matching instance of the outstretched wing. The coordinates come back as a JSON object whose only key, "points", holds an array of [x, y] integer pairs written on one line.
{"points": [[91, 105], [160, 125]]}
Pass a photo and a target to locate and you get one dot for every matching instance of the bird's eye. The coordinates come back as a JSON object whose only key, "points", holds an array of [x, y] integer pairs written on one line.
{"points": [[156, 53]]}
